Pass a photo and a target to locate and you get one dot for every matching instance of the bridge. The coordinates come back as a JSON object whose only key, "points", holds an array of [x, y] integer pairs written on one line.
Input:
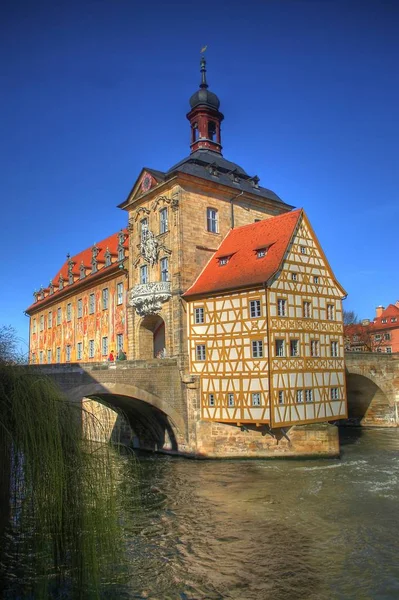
{"points": [[161, 404]]}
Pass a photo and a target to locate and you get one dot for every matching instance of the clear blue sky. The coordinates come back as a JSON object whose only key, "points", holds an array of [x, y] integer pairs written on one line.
{"points": [[93, 90]]}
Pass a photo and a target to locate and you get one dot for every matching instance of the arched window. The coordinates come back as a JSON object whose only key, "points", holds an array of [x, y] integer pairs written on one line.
{"points": [[212, 131]]}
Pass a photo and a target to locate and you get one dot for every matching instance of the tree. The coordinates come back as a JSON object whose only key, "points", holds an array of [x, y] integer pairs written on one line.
{"points": [[350, 317], [9, 353]]}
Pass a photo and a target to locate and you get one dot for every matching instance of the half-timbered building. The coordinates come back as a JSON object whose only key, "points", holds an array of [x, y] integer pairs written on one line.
{"points": [[265, 327]]}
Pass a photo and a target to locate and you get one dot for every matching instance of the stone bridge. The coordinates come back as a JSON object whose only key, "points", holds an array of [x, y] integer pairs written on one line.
{"points": [[373, 388]]}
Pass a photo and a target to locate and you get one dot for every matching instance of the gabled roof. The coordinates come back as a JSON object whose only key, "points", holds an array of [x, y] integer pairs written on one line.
{"points": [[244, 268], [111, 243], [390, 312]]}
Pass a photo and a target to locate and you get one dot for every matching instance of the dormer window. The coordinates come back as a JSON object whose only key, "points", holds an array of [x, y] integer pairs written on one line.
{"points": [[261, 252], [36, 296], [393, 320], [70, 270], [51, 288], [82, 271], [61, 282], [383, 320], [94, 254], [234, 177], [255, 182], [223, 261], [107, 256]]}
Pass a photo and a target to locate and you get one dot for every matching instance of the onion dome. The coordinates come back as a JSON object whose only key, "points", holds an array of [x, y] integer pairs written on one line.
{"points": [[203, 96]]}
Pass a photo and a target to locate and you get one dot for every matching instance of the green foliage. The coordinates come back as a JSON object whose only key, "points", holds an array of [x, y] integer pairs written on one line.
{"points": [[59, 503]]}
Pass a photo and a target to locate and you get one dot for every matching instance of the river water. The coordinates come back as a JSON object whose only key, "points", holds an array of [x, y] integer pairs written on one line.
{"points": [[260, 529]]}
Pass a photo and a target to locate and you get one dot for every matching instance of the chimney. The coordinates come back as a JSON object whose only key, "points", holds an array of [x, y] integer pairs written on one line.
{"points": [[378, 311], [397, 303], [365, 322]]}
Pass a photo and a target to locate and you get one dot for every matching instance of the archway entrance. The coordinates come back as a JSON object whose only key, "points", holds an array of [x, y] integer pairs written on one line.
{"points": [[152, 338], [367, 403]]}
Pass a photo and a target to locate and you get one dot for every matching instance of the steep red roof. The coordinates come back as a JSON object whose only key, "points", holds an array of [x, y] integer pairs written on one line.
{"points": [[389, 313], [240, 246], [85, 257]]}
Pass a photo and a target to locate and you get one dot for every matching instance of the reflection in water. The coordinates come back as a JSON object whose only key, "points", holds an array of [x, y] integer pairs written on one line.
{"points": [[252, 530]]}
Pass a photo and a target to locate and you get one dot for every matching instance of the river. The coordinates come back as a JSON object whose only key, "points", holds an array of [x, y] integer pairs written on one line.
{"points": [[260, 529]]}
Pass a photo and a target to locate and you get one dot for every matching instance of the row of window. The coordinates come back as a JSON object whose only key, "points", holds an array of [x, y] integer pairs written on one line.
{"points": [[163, 224], [385, 320], [92, 304], [378, 337], [164, 267], [255, 310], [257, 347], [301, 395], [79, 350]]}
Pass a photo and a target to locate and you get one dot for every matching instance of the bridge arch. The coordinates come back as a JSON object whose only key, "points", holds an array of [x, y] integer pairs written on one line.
{"points": [[369, 401], [156, 425]]}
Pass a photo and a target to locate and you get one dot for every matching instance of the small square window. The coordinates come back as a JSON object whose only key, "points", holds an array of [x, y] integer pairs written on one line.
{"points": [[383, 320], [315, 279], [211, 399], [261, 252], [303, 250], [256, 399], [334, 394], [230, 400], [254, 308], [200, 352], [294, 277], [223, 261], [199, 315], [257, 348], [388, 349]]}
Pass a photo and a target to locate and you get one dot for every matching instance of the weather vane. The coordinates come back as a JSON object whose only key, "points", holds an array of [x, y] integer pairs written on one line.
{"points": [[203, 49]]}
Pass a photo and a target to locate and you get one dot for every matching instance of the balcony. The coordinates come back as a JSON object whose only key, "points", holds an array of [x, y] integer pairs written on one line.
{"points": [[147, 298]]}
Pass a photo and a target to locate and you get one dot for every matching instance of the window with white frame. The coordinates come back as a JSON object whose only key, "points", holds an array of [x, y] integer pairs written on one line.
{"points": [[281, 307], [91, 348], [119, 342], [68, 353], [294, 347], [393, 319], [308, 395], [212, 220], [163, 220], [299, 396], [334, 393], [41, 322], [377, 337], [388, 349], [211, 399], [255, 398], [199, 316], [280, 347], [92, 304], [49, 356], [330, 312], [50, 319], [59, 315], [307, 309], [257, 348], [105, 298], [164, 264], [69, 311], [119, 293], [303, 249], [200, 352], [314, 348], [383, 320], [41, 357], [79, 351], [80, 308], [58, 354], [104, 346], [334, 348], [144, 274], [254, 308], [230, 400], [387, 336], [281, 396]]}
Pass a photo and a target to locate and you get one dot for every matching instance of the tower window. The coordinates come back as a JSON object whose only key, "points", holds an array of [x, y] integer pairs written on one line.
{"points": [[194, 133], [212, 220], [212, 131]]}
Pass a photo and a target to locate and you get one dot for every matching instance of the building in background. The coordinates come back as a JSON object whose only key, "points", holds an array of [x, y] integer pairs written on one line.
{"points": [[81, 315], [380, 335]]}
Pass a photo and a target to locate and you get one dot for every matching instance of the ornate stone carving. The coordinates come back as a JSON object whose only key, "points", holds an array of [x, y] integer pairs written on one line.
{"points": [[149, 247], [147, 298]]}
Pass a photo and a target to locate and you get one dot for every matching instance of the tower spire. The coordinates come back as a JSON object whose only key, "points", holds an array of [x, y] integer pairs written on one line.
{"points": [[203, 84]]}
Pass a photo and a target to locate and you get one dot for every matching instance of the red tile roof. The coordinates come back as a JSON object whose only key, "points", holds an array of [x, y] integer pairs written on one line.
{"points": [[244, 268], [390, 312], [111, 242]]}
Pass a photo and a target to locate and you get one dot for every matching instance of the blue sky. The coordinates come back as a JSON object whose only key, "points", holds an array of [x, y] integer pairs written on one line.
{"points": [[93, 90]]}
